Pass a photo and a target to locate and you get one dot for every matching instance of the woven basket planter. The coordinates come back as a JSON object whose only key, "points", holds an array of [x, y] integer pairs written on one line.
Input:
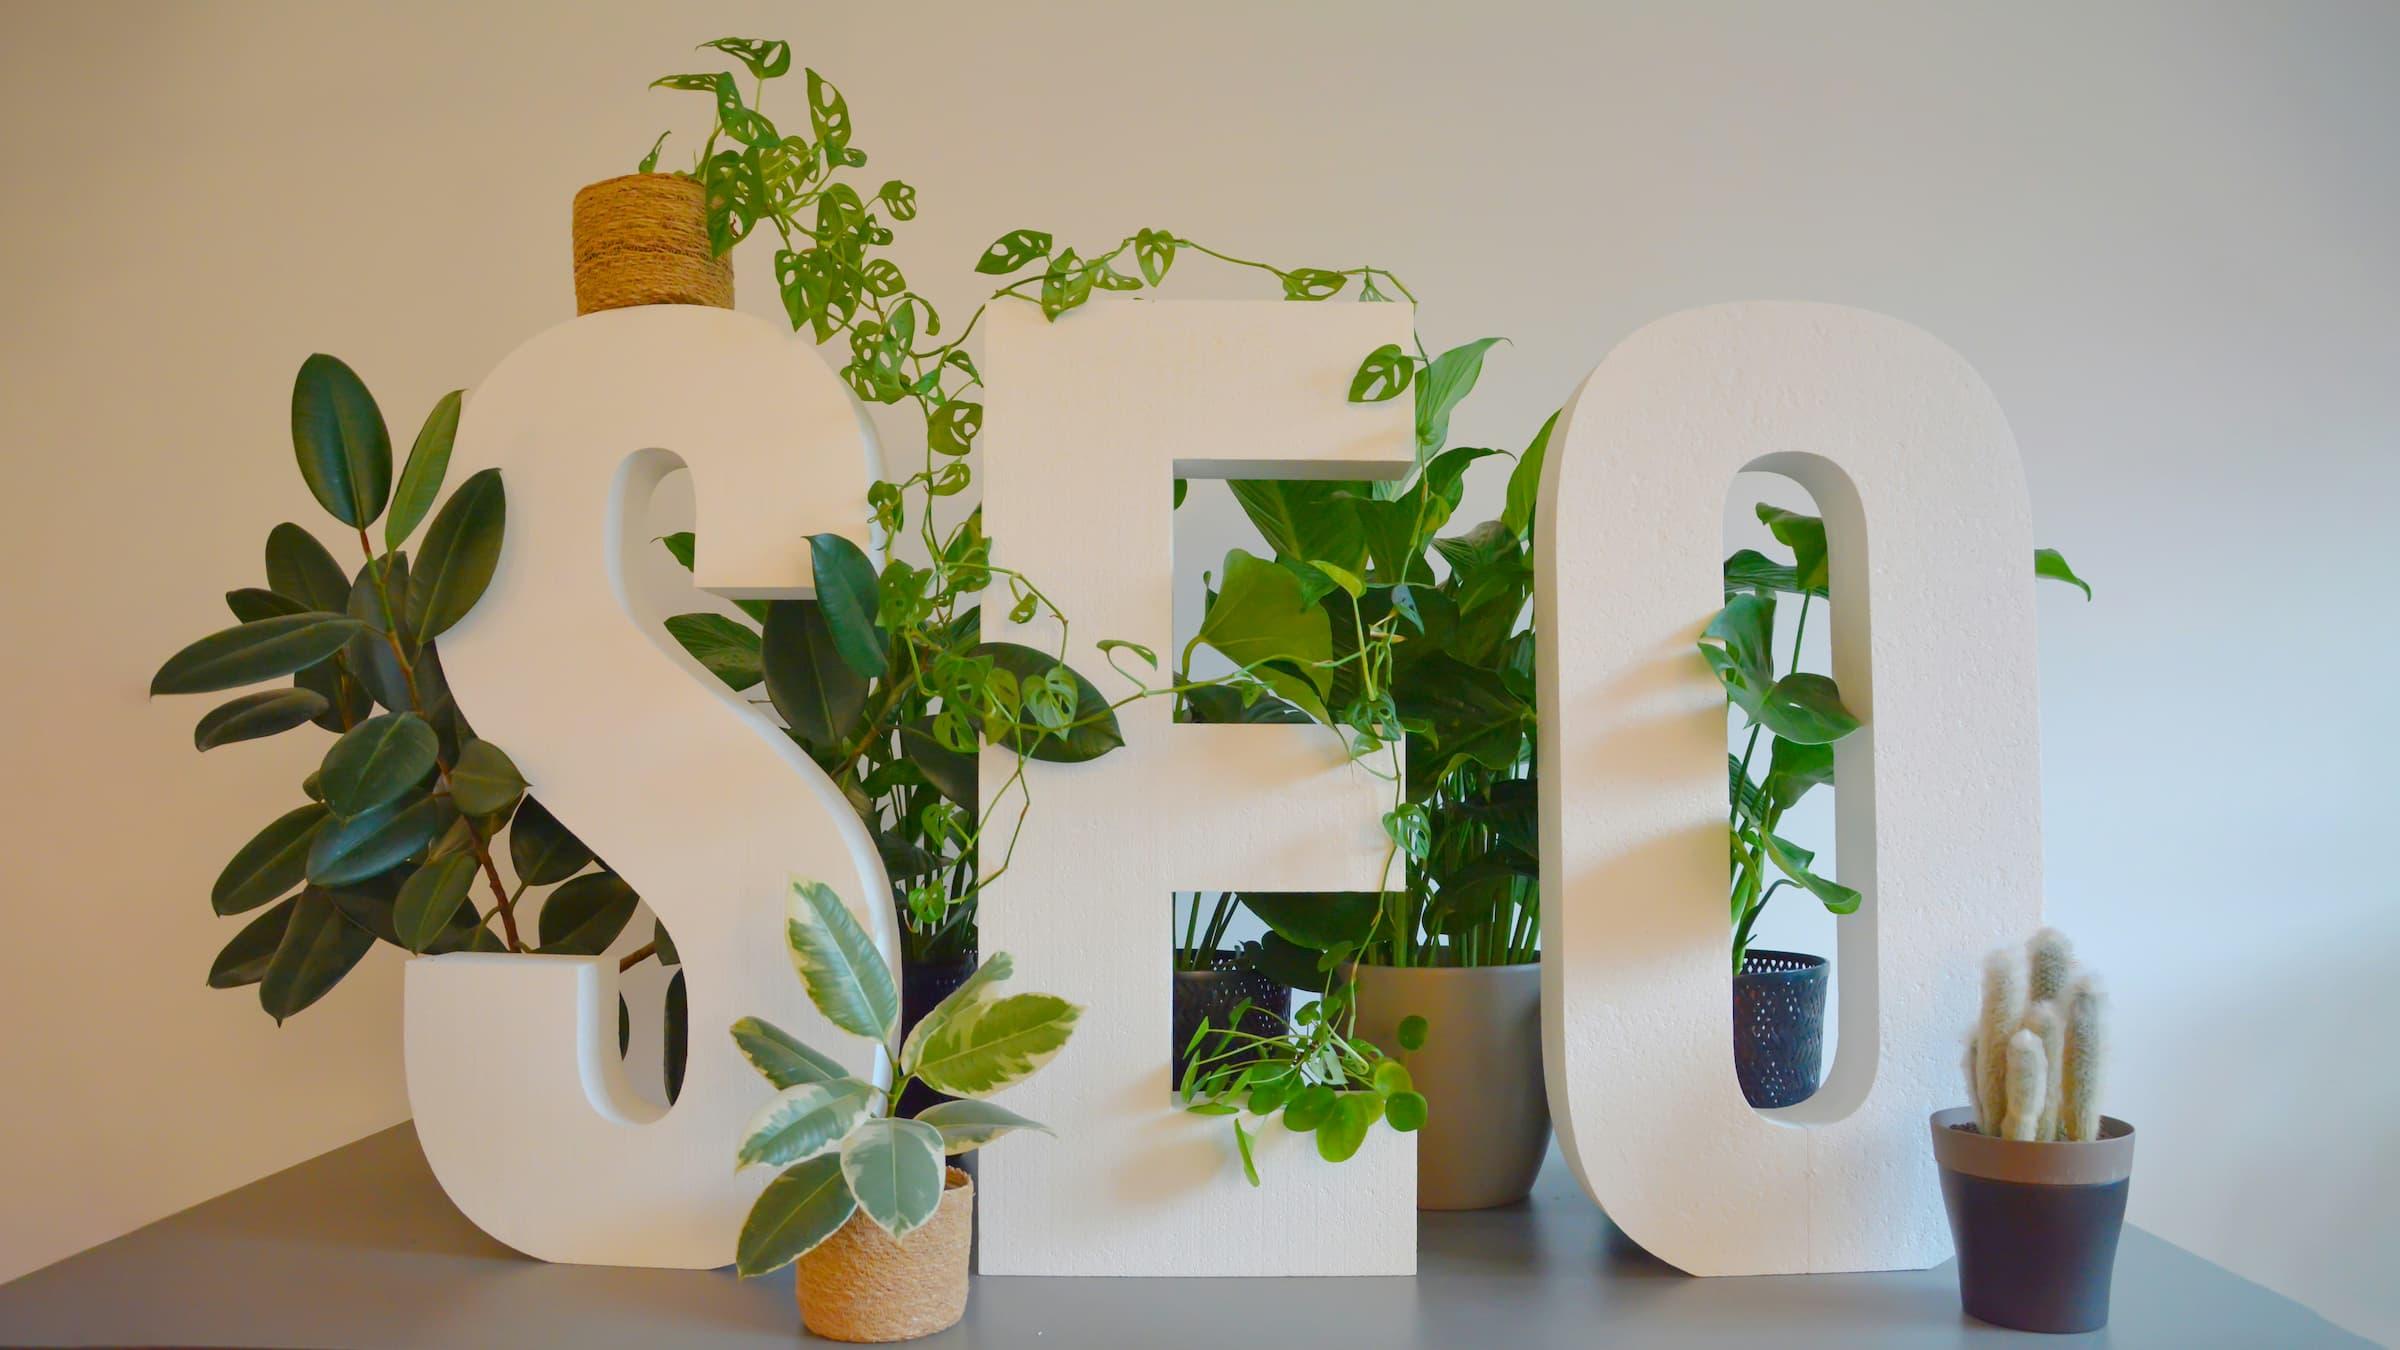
{"points": [[860, 1285], [643, 240]]}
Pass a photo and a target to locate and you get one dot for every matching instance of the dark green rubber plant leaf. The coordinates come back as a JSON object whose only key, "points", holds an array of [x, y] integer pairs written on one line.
{"points": [[344, 449], [817, 692], [302, 570], [376, 762], [484, 781], [845, 583], [352, 849], [583, 916], [542, 850], [244, 960], [266, 649], [428, 462], [254, 715], [271, 864], [1092, 729], [462, 547], [319, 947]]}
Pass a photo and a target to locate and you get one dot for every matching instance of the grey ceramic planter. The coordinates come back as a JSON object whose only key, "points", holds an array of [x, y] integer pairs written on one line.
{"points": [[1488, 1117], [2036, 1225]]}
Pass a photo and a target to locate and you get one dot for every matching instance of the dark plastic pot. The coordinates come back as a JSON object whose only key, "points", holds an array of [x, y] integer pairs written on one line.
{"points": [[1480, 1070], [2036, 1225], [1213, 994], [923, 985], [1779, 1026]]}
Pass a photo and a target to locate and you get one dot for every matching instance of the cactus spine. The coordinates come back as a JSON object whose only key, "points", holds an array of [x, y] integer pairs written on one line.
{"points": [[2079, 1104], [2028, 1079], [2003, 1010]]}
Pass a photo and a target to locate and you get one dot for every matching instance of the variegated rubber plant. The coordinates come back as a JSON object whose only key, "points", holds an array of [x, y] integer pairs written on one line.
{"points": [[843, 1146]]}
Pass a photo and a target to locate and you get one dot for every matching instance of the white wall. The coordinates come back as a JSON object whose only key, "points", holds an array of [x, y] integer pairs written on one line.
{"points": [[2164, 232]]}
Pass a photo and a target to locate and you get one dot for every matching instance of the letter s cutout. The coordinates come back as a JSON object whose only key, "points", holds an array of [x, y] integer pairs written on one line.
{"points": [[1938, 807], [521, 1103]]}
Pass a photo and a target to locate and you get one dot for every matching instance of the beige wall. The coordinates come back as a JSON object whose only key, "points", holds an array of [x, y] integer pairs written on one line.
{"points": [[2164, 232]]}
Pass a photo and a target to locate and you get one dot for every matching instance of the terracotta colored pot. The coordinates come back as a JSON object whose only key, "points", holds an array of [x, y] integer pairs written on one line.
{"points": [[860, 1285], [1487, 1119], [643, 240], [2036, 1225]]}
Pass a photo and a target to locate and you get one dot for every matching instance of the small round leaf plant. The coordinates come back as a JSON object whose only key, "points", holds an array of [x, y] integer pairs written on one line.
{"points": [[842, 1146]]}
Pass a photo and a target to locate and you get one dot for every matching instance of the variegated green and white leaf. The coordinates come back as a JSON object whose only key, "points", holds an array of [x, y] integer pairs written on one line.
{"points": [[895, 1169], [1005, 1041], [780, 1057], [968, 1125], [804, 1121], [847, 978], [798, 1210], [963, 1004]]}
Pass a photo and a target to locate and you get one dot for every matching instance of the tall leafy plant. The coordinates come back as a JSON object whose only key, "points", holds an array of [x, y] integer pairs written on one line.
{"points": [[405, 817], [1798, 713]]}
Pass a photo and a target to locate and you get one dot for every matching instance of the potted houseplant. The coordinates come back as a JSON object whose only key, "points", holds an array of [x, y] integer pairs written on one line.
{"points": [[1308, 1070], [2033, 1176], [1779, 997], [866, 1204], [404, 819]]}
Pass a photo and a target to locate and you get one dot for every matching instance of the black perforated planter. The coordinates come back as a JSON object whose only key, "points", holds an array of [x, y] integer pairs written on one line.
{"points": [[1779, 1026], [1214, 994]]}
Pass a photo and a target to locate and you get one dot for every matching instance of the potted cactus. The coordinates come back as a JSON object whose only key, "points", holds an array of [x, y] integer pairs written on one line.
{"points": [[878, 1221], [2033, 1176]]}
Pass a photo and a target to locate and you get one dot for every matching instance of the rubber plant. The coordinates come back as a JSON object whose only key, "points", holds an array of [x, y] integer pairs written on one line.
{"points": [[1799, 714], [839, 1139], [407, 814]]}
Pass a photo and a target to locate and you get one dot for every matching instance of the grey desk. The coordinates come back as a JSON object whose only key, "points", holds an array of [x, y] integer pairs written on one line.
{"points": [[359, 1248]]}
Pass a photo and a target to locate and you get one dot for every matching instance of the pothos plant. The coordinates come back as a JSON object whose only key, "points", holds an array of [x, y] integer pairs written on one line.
{"points": [[404, 818], [1799, 714], [843, 1147]]}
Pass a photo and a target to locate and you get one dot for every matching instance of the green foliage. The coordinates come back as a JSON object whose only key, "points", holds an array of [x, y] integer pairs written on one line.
{"points": [[1320, 1079], [1799, 713], [842, 1145], [406, 812]]}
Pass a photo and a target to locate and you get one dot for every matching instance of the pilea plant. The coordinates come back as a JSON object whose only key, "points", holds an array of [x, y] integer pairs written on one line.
{"points": [[2033, 1059], [842, 1145], [405, 816], [1322, 1081], [1800, 713]]}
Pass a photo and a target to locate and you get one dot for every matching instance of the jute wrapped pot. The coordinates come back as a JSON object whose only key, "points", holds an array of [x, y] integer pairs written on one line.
{"points": [[860, 1285], [643, 240]]}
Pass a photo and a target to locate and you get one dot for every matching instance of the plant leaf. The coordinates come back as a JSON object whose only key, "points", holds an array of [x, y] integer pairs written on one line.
{"points": [[1345, 1126], [265, 649], [300, 568], [1796, 767], [797, 1211], [586, 914], [1317, 920], [1383, 375], [1012, 251], [1805, 537], [803, 1121], [1838, 898], [376, 762], [430, 899], [273, 862], [1004, 1041], [244, 960], [338, 435], [484, 781], [895, 1169], [966, 1125], [1525, 483], [462, 547], [254, 715], [819, 696], [779, 1056], [352, 849], [1806, 707], [540, 849], [728, 649], [1447, 380], [847, 977], [318, 948], [846, 595], [2049, 564], [1259, 615], [1078, 743], [428, 462]]}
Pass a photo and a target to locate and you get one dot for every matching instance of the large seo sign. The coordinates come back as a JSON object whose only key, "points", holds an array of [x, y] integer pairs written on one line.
{"points": [[1926, 518], [520, 1098], [709, 812]]}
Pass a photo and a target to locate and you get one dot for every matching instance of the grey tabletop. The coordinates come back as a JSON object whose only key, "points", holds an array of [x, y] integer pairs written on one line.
{"points": [[359, 1248]]}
